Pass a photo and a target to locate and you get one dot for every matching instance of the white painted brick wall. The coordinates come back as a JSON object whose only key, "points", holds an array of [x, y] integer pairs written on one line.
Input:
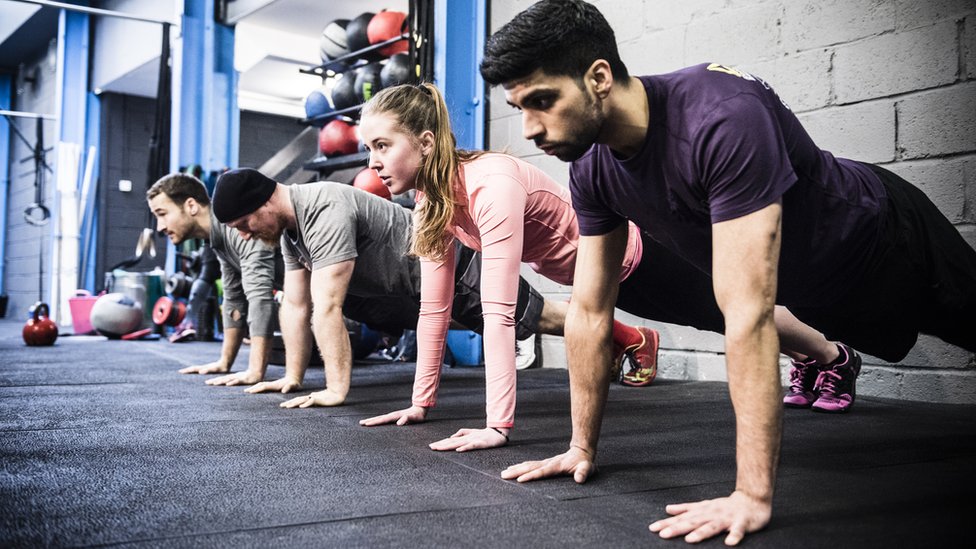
{"points": [[756, 30], [942, 180], [970, 53], [919, 13], [885, 81], [938, 122], [655, 52], [895, 63], [815, 23], [865, 131], [790, 76]]}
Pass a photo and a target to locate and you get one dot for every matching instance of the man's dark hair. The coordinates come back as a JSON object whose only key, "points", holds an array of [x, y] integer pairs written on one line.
{"points": [[561, 37], [179, 187]]}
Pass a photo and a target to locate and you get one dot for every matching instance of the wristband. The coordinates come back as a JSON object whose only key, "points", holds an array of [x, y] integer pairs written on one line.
{"points": [[500, 433]]}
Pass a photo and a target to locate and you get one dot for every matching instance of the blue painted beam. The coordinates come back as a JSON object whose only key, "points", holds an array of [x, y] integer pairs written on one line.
{"points": [[6, 103], [71, 103], [460, 27], [206, 118]]}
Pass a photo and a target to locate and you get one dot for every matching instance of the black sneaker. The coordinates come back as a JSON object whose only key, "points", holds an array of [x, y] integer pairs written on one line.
{"points": [[836, 383], [803, 384]]}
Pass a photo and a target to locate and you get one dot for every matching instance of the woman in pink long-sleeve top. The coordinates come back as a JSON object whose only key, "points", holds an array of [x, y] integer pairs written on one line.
{"points": [[502, 206]]}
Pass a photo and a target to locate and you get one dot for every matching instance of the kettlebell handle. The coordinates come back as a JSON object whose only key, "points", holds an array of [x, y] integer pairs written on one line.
{"points": [[40, 310]]}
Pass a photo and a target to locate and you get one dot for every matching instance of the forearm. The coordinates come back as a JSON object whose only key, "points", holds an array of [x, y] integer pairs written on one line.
{"points": [[233, 337], [259, 355], [500, 378], [588, 336], [333, 341], [752, 353], [296, 332]]}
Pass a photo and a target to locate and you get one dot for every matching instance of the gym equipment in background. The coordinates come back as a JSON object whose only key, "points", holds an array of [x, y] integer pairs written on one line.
{"points": [[115, 315], [357, 37], [398, 70], [338, 137], [81, 305], [386, 25], [168, 311], [317, 104], [369, 181], [367, 83], [344, 93], [333, 43], [40, 330]]}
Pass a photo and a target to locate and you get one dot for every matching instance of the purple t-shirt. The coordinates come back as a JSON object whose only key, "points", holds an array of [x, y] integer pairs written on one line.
{"points": [[720, 145]]}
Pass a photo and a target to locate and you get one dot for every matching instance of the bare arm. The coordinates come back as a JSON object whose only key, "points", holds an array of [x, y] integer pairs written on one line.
{"points": [[588, 344], [745, 259], [228, 354], [328, 289], [296, 332]]}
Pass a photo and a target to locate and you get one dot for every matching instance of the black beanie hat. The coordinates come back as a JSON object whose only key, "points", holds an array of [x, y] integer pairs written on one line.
{"points": [[240, 192]]}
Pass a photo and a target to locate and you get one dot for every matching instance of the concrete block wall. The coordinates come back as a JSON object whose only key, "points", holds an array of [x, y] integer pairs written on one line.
{"points": [[30, 247], [891, 82]]}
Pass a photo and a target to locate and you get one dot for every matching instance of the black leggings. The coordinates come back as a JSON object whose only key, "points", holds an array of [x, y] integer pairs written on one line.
{"points": [[922, 279]]}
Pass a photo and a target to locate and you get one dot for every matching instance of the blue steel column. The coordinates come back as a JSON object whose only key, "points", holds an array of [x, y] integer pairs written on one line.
{"points": [[6, 94], [72, 104], [89, 220], [459, 44], [206, 119]]}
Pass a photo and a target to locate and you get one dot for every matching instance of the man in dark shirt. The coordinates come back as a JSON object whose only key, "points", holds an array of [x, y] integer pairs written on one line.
{"points": [[713, 165]]}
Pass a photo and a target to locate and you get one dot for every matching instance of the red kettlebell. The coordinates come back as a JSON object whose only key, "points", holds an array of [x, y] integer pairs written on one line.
{"points": [[40, 329]]}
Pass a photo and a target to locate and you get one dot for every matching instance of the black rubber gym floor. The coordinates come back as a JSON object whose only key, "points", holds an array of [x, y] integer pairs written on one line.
{"points": [[103, 443]]}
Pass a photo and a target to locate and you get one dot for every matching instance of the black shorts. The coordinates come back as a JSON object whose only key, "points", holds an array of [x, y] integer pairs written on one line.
{"points": [[393, 314], [667, 288], [922, 279]]}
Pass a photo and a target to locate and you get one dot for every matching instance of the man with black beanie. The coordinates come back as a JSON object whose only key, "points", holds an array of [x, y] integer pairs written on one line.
{"points": [[345, 251]]}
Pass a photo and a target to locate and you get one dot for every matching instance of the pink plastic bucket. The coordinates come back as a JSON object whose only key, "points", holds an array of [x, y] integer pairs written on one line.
{"points": [[81, 306]]}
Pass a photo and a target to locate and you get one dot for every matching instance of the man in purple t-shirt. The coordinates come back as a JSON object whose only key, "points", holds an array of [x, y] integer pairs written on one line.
{"points": [[712, 165]]}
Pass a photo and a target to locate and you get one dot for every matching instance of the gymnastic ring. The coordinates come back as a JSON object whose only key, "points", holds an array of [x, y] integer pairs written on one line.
{"points": [[37, 222]]}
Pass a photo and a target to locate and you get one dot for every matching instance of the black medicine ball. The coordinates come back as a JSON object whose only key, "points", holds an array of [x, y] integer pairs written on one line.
{"points": [[344, 94], [357, 38], [398, 70], [368, 82]]}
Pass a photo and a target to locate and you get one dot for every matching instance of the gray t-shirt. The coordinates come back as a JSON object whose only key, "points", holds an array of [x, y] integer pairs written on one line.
{"points": [[249, 273], [338, 222]]}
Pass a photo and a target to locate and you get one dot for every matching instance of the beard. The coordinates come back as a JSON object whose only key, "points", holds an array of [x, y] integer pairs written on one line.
{"points": [[581, 134], [271, 238]]}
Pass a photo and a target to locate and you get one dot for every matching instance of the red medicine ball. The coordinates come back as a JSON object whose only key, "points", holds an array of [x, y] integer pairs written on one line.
{"points": [[338, 137], [369, 181], [386, 25]]}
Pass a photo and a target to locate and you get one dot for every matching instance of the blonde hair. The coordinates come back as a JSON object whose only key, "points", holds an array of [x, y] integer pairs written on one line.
{"points": [[418, 109]]}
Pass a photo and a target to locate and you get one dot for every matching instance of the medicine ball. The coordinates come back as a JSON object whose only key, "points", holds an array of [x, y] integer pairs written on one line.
{"points": [[115, 315], [357, 38], [344, 93], [398, 70], [338, 137], [368, 81], [316, 104], [386, 25], [369, 181], [333, 43]]}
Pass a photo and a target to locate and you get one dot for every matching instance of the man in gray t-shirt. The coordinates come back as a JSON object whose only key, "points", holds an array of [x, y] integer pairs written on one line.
{"points": [[248, 268], [345, 250]]}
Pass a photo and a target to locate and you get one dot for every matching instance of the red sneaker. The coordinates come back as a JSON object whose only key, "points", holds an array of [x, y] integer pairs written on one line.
{"points": [[643, 359]]}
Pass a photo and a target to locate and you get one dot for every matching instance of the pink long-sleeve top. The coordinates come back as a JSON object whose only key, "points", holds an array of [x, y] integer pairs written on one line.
{"points": [[512, 212]]}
